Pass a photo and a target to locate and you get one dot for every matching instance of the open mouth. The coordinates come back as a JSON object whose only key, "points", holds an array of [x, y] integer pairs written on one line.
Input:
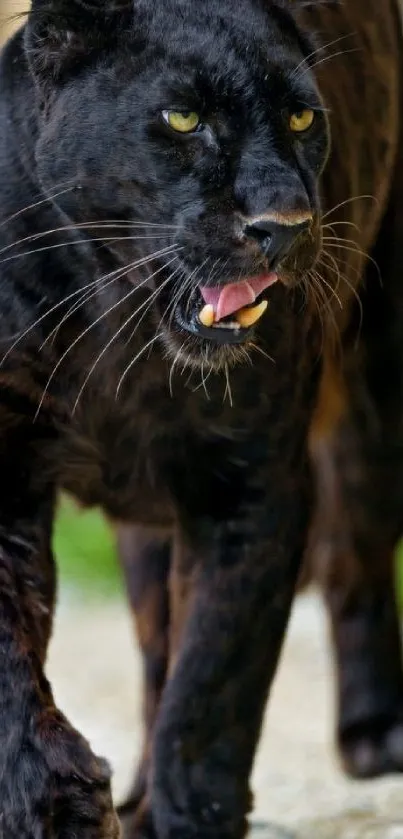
{"points": [[225, 314]]}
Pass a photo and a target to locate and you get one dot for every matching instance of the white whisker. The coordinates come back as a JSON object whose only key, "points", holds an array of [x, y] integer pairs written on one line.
{"points": [[262, 352], [68, 297], [46, 248], [35, 205], [320, 49], [349, 201], [328, 58], [227, 391], [128, 320], [173, 365], [136, 358], [80, 337]]}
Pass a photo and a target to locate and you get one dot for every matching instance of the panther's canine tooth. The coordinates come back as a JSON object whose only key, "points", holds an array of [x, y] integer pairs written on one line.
{"points": [[206, 315], [247, 317]]}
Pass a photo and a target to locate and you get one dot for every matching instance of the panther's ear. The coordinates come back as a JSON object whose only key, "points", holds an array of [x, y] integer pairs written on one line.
{"points": [[61, 34], [309, 4], [297, 6]]}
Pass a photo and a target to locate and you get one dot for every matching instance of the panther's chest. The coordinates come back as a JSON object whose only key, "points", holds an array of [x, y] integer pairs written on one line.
{"points": [[164, 442], [118, 454]]}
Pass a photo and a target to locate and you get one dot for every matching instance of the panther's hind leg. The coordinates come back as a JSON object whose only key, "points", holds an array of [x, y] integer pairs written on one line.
{"points": [[145, 556], [359, 460], [357, 575]]}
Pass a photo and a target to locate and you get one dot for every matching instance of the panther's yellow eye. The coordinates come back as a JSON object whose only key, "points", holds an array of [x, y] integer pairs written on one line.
{"points": [[302, 120], [183, 121]]}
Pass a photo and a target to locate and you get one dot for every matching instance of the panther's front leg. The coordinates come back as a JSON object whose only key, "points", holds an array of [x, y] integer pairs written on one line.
{"points": [[243, 573], [52, 786]]}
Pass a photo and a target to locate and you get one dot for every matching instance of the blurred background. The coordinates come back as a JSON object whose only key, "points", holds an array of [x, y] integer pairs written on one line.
{"points": [[96, 673]]}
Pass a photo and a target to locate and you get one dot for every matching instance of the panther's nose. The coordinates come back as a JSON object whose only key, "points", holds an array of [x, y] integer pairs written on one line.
{"points": [[275, 235]]}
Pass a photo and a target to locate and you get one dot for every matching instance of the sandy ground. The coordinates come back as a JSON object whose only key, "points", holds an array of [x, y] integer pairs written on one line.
{"points": [[298, 786], [9, 9]]}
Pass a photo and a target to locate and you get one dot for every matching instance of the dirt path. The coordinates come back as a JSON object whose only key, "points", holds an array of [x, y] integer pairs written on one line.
{"points": [[96, 674]]}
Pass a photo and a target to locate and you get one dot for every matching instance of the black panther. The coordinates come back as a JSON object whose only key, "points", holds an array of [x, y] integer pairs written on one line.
{"points": [[201, 321]]}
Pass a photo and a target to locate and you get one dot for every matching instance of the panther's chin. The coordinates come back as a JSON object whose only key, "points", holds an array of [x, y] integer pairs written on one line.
{"points": [[190, 351]]}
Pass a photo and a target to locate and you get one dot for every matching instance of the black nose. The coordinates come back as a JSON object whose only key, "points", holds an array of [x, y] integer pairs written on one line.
{"points": [[275, 238]]}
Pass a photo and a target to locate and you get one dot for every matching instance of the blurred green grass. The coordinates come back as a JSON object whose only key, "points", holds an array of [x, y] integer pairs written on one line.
{"points": [[399, 576], [85, 549]]}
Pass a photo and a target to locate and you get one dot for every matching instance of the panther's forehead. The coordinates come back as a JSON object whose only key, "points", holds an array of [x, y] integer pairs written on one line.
{"points": [[247, 31], [227, 50]]}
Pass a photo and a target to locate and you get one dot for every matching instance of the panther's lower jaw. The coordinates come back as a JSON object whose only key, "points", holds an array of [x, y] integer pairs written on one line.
{"points": [[194, 350], [217, 347], [187, 350]]}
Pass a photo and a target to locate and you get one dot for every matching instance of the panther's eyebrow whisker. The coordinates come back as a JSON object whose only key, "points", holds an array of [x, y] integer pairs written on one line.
{"points": [[318, 49]]}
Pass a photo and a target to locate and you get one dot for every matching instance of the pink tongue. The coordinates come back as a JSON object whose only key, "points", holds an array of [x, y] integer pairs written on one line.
{"points": [[229, 298]]}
